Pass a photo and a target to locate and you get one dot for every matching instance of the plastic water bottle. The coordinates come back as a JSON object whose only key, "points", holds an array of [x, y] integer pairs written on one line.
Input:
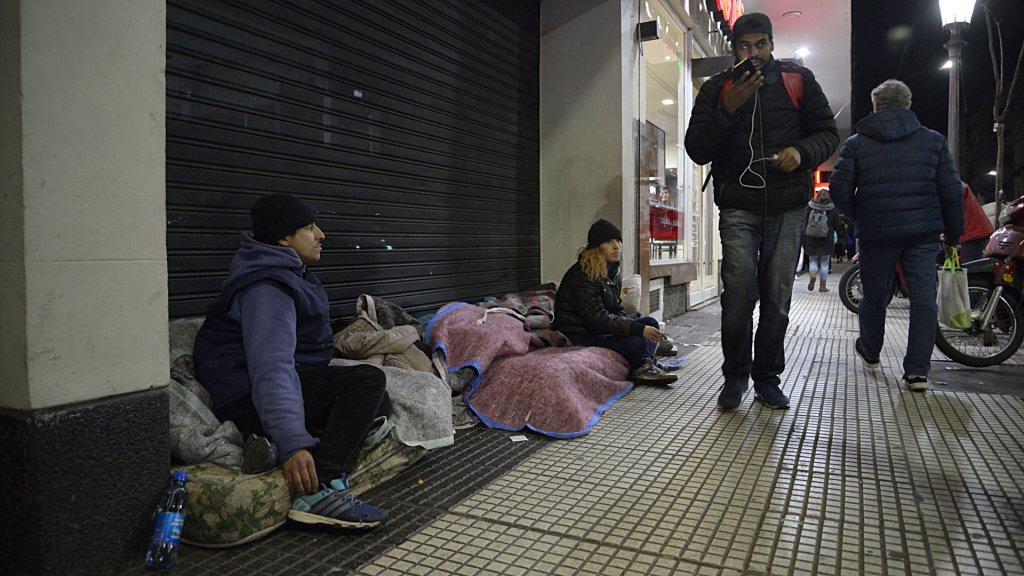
{"points": [[170, 521]]}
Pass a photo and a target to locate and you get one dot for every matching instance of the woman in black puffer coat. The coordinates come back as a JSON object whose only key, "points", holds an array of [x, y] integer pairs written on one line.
{"points": [[588, 307]]}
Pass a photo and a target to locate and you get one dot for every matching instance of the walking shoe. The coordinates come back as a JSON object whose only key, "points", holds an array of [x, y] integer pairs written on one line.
{"points": [[649, 373], [810, 283], [822, 287], [916, 383], [334, 505], [772, 397], [666, 348], [731, 395], [869, 363]]}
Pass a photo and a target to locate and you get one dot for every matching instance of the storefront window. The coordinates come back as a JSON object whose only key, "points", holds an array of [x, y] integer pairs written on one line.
{"points": [[662, 137]]}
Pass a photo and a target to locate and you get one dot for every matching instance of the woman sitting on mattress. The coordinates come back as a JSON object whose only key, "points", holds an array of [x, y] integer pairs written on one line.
{"points": [[588, 307]]}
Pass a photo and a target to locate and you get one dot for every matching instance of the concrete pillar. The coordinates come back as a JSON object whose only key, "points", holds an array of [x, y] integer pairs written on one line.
{"points": [[587, 124], [83, 282]]}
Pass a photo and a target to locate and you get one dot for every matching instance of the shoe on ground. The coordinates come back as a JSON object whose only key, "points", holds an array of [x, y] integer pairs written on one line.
{"points": [[335, 506], [731, 395], [649, 373], [916, 383], [822, 287], [772, 397], [810, 283], [258, 455], [666, 348], [869, 363]]}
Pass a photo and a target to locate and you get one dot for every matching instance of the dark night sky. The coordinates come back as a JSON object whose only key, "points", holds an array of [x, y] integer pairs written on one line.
{"points": [[904, 39]]}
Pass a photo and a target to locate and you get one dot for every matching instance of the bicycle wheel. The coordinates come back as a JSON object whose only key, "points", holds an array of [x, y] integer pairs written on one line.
{"points": [[850, 289], [982, 346]]}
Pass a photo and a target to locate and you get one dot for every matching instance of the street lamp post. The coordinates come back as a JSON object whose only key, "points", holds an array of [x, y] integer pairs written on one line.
{"points": [[956, 15]]}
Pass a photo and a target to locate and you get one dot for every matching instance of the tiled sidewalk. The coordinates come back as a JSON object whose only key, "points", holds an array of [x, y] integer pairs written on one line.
{"points": [[860, 476]]}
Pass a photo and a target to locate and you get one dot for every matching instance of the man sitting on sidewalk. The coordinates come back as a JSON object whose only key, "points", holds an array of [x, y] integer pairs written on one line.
{"points": [[263, 353]]}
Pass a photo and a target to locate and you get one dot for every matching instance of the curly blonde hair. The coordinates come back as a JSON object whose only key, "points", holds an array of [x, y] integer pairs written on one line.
{"points": [[593, 263]]}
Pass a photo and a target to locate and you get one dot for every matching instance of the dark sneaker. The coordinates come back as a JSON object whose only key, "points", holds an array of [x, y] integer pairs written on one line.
{"points": [[772, 397], [869, 363], [810, 283], [731, 395], [257, 455], [333, 507], [649, 373], [916, 383], [666, 348]]}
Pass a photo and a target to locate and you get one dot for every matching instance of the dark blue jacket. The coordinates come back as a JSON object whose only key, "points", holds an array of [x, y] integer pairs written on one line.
{"points": [[767, 124], [272, 314], [896, 179]]}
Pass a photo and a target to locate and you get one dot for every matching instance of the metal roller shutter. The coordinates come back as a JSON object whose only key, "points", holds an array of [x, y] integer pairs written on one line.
{"points": [[411, 128]]}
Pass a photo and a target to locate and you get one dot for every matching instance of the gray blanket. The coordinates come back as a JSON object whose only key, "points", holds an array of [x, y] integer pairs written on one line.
{"points": [[421, 406]]}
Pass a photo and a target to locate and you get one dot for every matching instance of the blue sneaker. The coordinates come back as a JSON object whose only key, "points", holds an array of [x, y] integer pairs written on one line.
{"points": [[334, 505], [731, 396], [772, 397]]}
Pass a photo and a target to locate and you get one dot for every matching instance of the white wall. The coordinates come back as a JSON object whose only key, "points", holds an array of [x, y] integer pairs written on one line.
{"points": [[586, 113], [83, 264]]}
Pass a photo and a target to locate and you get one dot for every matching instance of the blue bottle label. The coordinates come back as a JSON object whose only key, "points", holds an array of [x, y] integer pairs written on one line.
{"points": [[168, 527]]}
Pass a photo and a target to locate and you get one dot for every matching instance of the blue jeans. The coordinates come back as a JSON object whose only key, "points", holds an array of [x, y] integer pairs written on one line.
{"points": [[819, 265], [759, 254], [877, 266], [633, 348]]}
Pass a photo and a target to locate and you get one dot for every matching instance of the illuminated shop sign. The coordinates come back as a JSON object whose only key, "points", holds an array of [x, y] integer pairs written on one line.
{"points": [[725, 12]]}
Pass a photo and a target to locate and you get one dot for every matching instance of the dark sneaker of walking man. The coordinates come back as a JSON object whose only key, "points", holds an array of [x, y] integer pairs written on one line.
{"points": [[764, 132], [263, 353], [897, 181]]}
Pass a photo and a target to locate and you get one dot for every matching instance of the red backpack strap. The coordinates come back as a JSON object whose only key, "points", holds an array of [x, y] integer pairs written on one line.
{"points": [[725, 89], [793, 80]]}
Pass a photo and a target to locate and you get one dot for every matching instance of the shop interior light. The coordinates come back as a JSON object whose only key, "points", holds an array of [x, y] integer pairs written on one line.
{"points": [[668, 101], [802, 52]]}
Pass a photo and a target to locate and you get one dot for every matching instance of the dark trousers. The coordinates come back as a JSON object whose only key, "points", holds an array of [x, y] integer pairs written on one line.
{"points": [[340, 403], [633, 348]]}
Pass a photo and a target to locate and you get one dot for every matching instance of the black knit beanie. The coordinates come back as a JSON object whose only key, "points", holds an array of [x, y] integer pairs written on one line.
{"points": [[601, 232], [277, 215], [752, 23]]}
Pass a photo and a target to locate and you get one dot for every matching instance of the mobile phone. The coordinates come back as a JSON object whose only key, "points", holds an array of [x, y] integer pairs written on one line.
{"points": [[744, 66]]}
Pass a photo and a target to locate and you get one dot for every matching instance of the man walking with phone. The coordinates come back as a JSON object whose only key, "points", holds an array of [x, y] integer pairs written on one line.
{"points": [[765, 125]]}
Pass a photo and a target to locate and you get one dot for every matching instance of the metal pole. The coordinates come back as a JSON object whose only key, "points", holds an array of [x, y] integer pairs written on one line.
{"points": [[955, 47]]}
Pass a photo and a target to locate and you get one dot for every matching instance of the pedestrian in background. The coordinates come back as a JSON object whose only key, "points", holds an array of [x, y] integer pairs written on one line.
{"points": [[907, 194], [819, 239]]}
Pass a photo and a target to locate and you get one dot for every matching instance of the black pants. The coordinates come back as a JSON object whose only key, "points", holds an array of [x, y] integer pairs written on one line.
{"points": [[340, 402]]}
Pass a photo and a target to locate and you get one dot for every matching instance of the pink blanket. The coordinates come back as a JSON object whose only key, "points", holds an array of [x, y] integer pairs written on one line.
{"points": [[558, 392]]}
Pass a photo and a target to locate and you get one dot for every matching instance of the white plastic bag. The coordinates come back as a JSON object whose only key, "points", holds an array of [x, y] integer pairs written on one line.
{"points": [[631, 294], [953, 298]]}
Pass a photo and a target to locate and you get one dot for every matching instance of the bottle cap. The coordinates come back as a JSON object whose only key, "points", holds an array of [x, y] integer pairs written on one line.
{"points": [[181, 477]]}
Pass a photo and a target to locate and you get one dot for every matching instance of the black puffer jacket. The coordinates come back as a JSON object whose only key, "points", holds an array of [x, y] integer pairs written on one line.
{"points": [[896, 179], [715, 136], [585, 309]]}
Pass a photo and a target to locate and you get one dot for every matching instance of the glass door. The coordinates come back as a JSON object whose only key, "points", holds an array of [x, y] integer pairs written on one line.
{"points": [[704, 247]]}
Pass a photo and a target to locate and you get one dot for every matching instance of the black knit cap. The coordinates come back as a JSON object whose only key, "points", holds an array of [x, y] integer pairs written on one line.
{"points": [[277, 215], [752, 23], [601, 232]]}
